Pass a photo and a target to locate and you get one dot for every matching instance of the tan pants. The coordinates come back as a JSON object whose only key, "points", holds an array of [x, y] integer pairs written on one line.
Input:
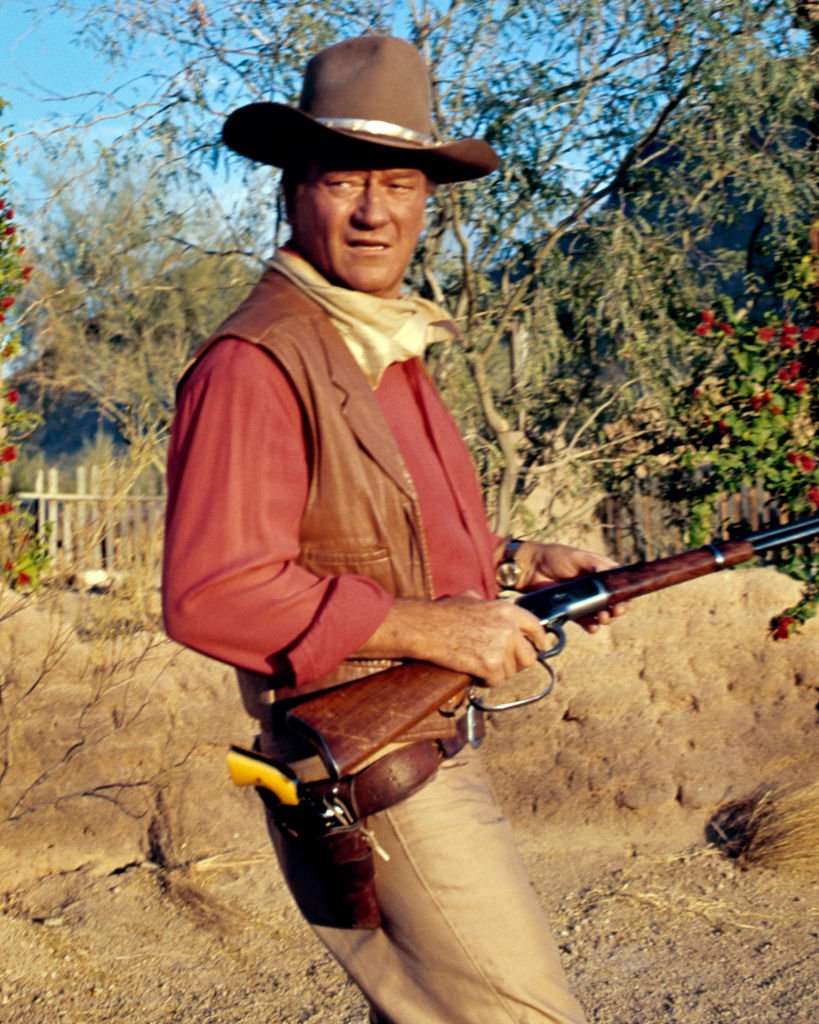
{"points": [[464, 938]]}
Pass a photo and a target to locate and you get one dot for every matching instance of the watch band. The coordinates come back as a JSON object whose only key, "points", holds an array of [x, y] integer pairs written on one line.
{"points": [[508, 572]]}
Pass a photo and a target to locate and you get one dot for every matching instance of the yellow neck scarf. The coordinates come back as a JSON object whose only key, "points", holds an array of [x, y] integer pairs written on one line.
{"points": [[376, 331]]}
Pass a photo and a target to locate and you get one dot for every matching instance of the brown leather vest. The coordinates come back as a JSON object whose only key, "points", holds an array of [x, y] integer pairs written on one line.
{"points": [[362, 513]]}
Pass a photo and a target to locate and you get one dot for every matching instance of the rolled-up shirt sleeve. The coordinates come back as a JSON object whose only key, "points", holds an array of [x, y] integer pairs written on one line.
{"points": [[237, 486]]}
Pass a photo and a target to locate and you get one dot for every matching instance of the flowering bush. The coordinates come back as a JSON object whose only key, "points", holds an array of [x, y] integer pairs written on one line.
{"points": [[22, 554], [753, 416]]}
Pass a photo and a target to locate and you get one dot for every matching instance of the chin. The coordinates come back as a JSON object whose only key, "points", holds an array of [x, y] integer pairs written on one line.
{"points": [[371, 285]]}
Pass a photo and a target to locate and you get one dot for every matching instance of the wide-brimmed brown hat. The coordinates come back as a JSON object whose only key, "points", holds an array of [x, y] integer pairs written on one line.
{"points": [[365, 99]]}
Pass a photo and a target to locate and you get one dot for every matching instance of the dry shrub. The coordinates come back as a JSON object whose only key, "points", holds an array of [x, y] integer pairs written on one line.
{"points": [[776, 829]]}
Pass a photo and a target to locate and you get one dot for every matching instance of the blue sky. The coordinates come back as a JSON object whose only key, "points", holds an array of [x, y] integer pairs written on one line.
{"points": [[40, 63]]}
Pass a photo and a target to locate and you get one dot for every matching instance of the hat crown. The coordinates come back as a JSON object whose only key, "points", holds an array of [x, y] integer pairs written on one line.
{"points": [[367, 99], [371, 78]]}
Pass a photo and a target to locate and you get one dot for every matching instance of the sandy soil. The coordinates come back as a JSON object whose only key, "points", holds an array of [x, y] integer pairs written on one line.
{"points": [[138, 885]]}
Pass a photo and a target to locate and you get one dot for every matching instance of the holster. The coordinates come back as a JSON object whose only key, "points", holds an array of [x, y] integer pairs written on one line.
{"points": [[331, 873], [323, 843]]}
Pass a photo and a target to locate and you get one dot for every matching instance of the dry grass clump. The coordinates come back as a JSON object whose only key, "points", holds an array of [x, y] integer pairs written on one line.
{"points": [[776, 829]]}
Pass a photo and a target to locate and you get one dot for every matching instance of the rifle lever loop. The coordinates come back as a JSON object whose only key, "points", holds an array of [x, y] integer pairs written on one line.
{"points": [[476, 702]]}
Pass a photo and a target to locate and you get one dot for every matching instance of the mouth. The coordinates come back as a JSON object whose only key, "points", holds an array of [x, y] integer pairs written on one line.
{"points": [[367, 245]]}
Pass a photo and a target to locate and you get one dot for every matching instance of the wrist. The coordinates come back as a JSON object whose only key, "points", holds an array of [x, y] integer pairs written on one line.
{"points": [[509, 569]]}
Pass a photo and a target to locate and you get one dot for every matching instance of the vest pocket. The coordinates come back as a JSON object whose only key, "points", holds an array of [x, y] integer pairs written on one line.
{"points": [[372, 562]]}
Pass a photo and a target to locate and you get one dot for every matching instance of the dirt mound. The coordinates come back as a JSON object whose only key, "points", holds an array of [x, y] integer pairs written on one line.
{"points": [[139, 885]]}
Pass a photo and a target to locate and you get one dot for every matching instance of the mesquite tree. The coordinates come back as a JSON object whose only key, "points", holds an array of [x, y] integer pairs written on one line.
{"points": [[118, 303], [650, 148]]}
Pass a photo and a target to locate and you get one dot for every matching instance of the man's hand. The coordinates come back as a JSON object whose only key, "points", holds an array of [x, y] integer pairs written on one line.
{"points": [[490, 640], [542, 564]]}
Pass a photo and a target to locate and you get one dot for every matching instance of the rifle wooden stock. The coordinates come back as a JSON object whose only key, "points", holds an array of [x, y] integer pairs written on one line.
{"points": [[350, 723], [347, 724]]}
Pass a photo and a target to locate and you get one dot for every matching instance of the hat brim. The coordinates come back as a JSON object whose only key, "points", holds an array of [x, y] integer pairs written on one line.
{"points": [[275, 134]]}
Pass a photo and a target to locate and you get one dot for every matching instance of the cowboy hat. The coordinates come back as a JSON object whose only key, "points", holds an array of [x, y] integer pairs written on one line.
{"points": [[365, 99]]}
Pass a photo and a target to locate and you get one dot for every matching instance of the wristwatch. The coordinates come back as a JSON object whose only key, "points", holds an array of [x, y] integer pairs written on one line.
{"points": [[508, 571]]}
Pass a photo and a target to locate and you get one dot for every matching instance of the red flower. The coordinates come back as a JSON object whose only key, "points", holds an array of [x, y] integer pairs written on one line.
{"points": [[5, 508], [23, 579], [789, 328], [807, 463], [783, 627], [26, 273], [793, 458], [8, 566], [810, 334], [813, 496], [723, 426], [726, 329], [13, 396], [10, 214], [9, 454], [766, 333], [11, 230], [788, 341], [707, 321], [8, 300], [776, 410], [757, 401], [798, 387]]}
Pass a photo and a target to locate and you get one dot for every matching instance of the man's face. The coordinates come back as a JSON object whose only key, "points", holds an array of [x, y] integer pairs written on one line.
{"points": [[359, 229]]}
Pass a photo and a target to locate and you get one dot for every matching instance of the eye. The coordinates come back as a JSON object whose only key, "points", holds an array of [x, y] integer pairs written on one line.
{"points": [[340, 183], [404, 186]]}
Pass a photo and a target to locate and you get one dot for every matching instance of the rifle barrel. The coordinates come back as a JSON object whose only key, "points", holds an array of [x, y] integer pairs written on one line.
{"points": [[784, 533], [628, 582]]}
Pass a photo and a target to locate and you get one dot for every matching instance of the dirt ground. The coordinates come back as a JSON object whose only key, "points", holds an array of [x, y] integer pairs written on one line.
{"points": [[138, 885]]}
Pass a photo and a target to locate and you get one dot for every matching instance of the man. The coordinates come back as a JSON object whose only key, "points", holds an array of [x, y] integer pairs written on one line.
{"points": [[324, 522]]}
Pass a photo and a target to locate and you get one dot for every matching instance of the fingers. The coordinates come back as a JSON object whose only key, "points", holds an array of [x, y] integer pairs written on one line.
{"points": [[487, 639], [505, 660], [603, 618], [492, 640], [518, 636], [548, 563]]}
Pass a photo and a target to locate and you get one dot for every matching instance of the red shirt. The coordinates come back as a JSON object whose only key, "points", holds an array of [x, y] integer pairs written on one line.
{"points": [[237, 485]]}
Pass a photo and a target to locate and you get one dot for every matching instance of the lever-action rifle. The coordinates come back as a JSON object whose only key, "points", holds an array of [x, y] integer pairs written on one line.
{"points": [[349, 723]]}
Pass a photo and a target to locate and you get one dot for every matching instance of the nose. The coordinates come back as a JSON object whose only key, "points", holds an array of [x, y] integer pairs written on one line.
{"points": [[371, 210]]}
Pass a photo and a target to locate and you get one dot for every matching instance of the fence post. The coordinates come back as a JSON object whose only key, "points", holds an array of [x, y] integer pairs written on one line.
{"points": [[52, 514]]}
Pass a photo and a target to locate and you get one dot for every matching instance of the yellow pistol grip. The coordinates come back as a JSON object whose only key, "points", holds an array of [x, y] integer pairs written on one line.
{"points": [[248, 768]]}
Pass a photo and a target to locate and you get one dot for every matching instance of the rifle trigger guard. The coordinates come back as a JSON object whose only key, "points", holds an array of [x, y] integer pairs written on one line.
{"points": [[556, 630], [476, 702]]}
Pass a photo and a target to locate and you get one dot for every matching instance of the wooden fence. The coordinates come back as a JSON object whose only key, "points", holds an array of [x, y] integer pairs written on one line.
{"points": [[642, 525], [95, 531]]}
